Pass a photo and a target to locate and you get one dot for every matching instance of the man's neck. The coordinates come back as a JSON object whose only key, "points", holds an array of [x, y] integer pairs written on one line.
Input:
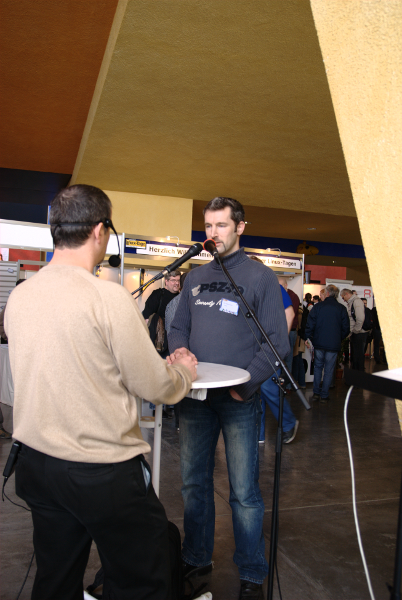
{"points": [[233, 251], [75, 257]]}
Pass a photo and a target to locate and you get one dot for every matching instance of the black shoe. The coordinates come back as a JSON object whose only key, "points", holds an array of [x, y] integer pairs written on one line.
{"points": [[192, 571], [250, 590], [315, 397], [324, 400], [289, 436]]}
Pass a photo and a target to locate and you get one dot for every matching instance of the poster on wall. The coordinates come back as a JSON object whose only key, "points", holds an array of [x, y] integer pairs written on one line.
{"points": [[4, 253]]}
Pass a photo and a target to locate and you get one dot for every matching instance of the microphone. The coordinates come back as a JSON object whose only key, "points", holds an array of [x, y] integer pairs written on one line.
{"points": [[194, 250], [210, 246], [114, 259]]}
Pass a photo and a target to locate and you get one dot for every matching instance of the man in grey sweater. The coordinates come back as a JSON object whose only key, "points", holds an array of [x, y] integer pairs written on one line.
{"points": [[209, 323]]}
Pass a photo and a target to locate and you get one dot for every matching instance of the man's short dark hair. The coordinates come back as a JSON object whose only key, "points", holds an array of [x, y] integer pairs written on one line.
{"points": [[77, 204], [220, 202]]}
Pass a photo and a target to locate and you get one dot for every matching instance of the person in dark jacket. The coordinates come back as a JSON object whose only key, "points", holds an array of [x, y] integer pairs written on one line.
{"points": [[327, 325]]}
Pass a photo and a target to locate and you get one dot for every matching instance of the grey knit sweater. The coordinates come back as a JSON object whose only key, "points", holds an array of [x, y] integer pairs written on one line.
{"points": [[220, 337]]}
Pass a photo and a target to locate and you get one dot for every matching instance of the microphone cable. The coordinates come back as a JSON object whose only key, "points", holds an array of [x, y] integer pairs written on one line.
{"points": [[4, 495], [352, 473], [6, 474], [26, 576]]}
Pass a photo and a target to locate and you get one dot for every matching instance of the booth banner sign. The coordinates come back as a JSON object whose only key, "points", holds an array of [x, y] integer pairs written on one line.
{"points": [[278, 261], [158, 249], [136, 244]]}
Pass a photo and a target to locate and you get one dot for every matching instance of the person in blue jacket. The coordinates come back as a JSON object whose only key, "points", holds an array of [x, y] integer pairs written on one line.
{"points": [[327, 325]]}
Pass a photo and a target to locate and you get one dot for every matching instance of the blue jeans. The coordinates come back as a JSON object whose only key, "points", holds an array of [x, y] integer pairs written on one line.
{"points": [[200, 425], [270, 395], [323, 360]]}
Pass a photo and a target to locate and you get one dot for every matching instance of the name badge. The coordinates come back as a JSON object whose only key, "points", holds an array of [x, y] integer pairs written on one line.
{"points": [[229, 306]]}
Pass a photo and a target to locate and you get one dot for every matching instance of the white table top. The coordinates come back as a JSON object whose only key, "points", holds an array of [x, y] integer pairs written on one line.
{"points": [[395, 374], [211, 375]]}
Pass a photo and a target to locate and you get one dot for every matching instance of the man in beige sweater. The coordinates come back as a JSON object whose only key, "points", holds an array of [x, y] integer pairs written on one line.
{"points": [[80, 353]]}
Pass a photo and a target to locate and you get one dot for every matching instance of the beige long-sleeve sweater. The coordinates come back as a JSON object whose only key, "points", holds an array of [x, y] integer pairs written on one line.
{"points": [[80, 352]]}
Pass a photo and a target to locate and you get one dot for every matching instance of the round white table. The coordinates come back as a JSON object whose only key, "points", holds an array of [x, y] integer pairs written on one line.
{"points": [[209, 375]]}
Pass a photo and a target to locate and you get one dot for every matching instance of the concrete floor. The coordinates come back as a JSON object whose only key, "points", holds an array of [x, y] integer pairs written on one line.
{"points": [[318, 555]]}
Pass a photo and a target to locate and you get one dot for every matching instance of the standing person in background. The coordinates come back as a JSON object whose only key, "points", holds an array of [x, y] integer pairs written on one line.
{"points": [[298, 371], [157, 302], [293, 326], [358, 335], [368, 321], [155, 308], [376, 337], [307, 302], [327, 326], [269, 390], [322, 295]]}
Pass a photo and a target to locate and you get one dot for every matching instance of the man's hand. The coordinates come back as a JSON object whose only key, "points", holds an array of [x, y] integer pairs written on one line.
{"points": [[178, 353], [235, 395], [186, 360]]}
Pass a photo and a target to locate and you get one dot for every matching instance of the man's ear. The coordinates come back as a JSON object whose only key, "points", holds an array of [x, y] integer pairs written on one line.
{"points": [[97, 231], [240, 228]]}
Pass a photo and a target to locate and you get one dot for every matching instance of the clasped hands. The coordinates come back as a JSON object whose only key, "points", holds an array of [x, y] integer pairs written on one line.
{"points": [[183, 356]]}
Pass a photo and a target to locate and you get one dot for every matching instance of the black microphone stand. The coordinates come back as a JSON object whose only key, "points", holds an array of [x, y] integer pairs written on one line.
{"points": [[140, 289], [278, 448]]}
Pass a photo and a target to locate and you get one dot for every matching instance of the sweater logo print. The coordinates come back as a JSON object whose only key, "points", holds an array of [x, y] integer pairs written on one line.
{"points": [[220, 287]]}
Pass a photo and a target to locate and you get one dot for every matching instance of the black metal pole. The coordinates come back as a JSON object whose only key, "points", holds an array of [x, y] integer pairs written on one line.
{"points": [[275, 500]]}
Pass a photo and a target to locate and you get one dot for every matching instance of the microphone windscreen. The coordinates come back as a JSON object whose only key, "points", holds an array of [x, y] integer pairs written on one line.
{"points": [[210, 246], [114, 260]]}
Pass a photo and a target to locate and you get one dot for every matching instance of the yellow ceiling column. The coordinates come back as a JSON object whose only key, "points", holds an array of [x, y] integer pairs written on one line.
{"points": [[360, 43]]}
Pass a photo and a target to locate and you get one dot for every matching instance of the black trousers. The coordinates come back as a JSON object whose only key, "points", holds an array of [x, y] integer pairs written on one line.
{"points": [[74, 503], [377, 341], [358, 344]]}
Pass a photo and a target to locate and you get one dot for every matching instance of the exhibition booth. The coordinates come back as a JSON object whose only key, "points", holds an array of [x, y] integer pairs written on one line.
{"points": [[142, 257]]}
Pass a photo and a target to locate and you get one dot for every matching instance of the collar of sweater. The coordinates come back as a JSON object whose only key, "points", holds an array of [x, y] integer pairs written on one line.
{"points": [[232, 260]]}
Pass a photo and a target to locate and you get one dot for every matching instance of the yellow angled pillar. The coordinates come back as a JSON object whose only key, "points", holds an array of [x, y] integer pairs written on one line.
{"points": [[361, 43]]}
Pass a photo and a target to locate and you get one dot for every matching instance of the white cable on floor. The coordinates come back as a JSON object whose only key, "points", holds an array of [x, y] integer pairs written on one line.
{"points": [[352, 472]]}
